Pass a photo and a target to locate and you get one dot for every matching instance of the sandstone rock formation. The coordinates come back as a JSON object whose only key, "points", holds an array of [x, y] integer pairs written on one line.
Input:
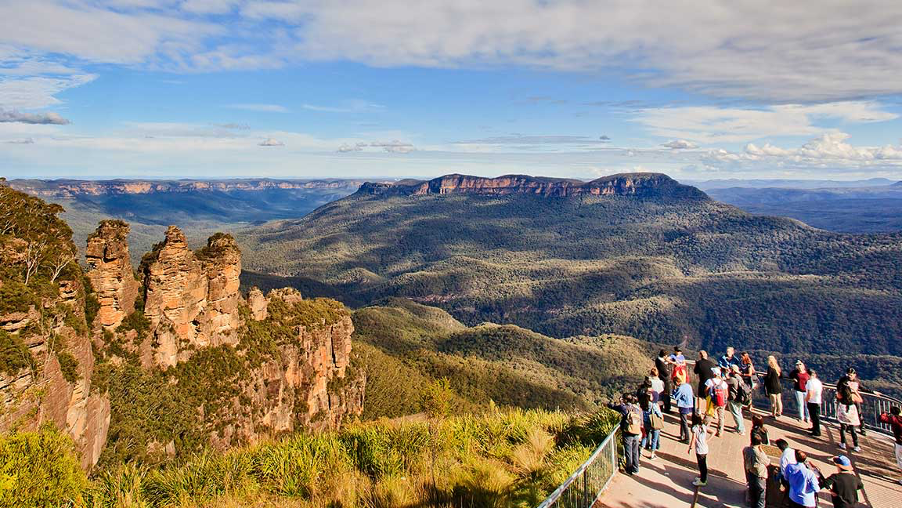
{"points": [[191, 299], [111, 273], [31, 397], [626, 184], [309, 383]]}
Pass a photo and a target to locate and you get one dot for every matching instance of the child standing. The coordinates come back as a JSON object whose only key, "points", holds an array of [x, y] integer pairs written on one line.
{"points": [[699, 444]]}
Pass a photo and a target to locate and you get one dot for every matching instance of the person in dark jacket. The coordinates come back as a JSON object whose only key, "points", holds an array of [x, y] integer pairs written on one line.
{"points": [[664, 373], [704, 369], [773, 387]]}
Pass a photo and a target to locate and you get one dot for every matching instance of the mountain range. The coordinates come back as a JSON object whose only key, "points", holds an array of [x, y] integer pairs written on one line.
{"points": [[633, 254]]}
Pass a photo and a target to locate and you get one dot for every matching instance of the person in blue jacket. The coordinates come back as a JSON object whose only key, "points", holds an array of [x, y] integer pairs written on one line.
{"points": [[685, 401]]}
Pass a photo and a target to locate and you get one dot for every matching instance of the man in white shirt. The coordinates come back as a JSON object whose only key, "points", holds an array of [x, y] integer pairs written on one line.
{"points": [[788, 457], [814, 391]]}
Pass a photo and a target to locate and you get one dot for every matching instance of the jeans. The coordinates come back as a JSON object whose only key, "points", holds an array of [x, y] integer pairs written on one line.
{"points": [[684, 425], [757, 489], [631, 452], [814, 411], [702, 466], [651, 440], [800, 404], [736, 411], [842, 433]]}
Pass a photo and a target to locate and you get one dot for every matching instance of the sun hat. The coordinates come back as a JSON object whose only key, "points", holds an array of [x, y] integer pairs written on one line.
{"points": [[843, 462]]}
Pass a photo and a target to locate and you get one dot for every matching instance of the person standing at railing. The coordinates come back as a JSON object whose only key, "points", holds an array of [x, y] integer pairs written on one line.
{"points": [[799, 376], [664, 374], [773, 387], [847, 415], [685, 402], [894, 420], [814, 392], [630, 430], [755, 462], [849, 390], [678, 360], [728, 360], [747, 369], [705, 370], [735, 385]]}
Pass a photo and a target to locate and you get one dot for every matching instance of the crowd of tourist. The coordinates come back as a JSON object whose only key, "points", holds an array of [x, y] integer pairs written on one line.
{"points": [[727, 386]]}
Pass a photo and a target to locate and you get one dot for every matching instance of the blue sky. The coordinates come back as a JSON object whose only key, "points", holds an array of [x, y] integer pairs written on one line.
{"points": [[366, 89]]}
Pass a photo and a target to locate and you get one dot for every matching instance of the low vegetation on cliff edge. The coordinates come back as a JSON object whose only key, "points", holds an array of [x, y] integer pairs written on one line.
{"points": [[496, 458]]}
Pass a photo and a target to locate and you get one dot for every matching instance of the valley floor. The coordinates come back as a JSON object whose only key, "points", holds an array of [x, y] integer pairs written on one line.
{"points": [[667, 481]]}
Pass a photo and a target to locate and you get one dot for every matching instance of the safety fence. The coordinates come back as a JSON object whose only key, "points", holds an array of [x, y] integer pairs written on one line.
{"points": [[586, 484]]}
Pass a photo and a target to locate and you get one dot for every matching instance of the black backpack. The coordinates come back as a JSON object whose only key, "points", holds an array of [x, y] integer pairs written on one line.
{"points": [[743, 392]]}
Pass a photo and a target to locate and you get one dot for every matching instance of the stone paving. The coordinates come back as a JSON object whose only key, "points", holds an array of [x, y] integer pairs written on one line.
{"points": [[667, 481]]}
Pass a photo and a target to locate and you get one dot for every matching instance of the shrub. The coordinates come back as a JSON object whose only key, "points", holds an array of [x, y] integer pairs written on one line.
{"points": [[39, 469], [14, 355]]}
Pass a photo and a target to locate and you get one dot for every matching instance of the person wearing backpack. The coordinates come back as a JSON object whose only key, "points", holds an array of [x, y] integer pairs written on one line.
{"points": [[718, 393], [631, 430], [736, 391]]}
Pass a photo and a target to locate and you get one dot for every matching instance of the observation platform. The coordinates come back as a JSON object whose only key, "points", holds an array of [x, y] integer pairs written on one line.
{"points": [[666, 482]]}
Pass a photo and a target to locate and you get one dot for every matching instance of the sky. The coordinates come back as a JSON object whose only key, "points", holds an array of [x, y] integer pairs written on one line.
{"points": [[393, 89]]}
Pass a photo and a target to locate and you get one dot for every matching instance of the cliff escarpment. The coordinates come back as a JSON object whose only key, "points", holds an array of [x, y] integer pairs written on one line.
{"points": [[648, 185], [47, 366], [73, 188]]}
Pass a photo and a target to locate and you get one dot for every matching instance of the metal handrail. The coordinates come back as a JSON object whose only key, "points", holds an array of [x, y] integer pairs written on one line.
{"points": [[872, 406], [590, 479]]}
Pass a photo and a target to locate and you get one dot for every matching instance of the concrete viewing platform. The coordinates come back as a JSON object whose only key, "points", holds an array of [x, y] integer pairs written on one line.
{"points": [[667, 480]]}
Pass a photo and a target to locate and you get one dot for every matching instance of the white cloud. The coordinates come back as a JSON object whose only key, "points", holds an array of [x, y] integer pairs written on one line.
{"points": [[761, 49], [94, 33], [679, 144], [260, 108], [711, 124], [209, 6], [831, 151], [38, 91], [385, 146], [271, 142], [14, 116]]}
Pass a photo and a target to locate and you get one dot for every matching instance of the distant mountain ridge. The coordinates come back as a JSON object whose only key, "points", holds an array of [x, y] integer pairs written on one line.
{"points": [[73, 188], [624, 184], [633, 261]]}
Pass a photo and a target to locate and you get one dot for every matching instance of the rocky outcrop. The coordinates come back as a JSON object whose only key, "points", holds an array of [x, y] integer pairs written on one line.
{"points": [[310, 382], [191, 299], [111, 273], [648, 185]]}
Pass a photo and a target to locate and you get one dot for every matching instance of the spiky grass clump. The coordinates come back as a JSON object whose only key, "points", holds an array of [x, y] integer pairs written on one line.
{"points": [[500, 458]]}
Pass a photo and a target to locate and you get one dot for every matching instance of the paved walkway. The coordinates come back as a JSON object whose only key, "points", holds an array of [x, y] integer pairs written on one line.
{"points": [[667, 481]]}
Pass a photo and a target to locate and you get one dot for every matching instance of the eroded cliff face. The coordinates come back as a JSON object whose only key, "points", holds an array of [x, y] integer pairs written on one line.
{"points": [[308, 382], [191, 299], [626, 184], [110, 272], [56, 386]]}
